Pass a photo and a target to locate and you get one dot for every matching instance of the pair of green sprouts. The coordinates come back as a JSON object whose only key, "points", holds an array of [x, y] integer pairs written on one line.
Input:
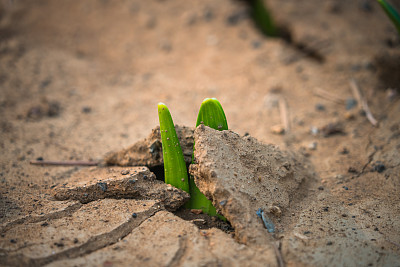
{"points": [[211, 114], [391, 13]]}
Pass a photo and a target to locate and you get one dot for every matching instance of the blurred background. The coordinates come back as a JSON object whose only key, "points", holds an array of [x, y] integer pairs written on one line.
{"points": [[81, 78]]}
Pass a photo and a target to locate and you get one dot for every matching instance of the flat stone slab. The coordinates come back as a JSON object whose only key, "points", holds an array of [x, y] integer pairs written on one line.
{"points": [[93, 226], [120, 182], [148, 152], [167, 240], [242, 175]]}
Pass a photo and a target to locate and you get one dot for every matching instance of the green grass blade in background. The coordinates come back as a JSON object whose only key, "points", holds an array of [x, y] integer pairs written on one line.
{"points": [[263, 18], [211, 114], [391, 13], [174, 164]]}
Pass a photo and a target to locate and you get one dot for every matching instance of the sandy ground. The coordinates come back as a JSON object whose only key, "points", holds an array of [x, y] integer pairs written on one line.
{"points": [[81, 79]]}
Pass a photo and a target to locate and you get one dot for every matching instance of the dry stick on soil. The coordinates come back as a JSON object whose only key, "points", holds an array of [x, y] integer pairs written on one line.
{"points": [[283, 109], [356, 90], [65, 163], [326, 95], [278, 254]]}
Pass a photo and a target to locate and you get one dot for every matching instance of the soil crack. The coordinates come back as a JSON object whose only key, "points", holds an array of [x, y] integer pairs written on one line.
{"points": [[176, 260], [35, 219], [93, 244]]}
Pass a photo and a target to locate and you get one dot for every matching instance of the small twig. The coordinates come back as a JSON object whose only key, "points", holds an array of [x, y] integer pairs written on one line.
{"points": [[278, 254], [324, 94], [394, 243], [356, 90], [302, 237], [283, 109], [65, 163]]}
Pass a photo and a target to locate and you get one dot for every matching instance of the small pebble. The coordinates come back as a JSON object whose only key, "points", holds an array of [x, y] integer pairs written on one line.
{"points": [[134, 215], [59, 244], [275, 210], [352, 170], [379, 167], [222, 203], [278, 129], [196, 211], [125, 172], [312, 146], [351, 103], [314, 130], [86, 109], [319, 107], [344, 151], [349, 115]]}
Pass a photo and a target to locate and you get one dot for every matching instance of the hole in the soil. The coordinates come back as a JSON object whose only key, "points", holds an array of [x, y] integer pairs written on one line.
{"points": [[158, 170], [204, 221]]}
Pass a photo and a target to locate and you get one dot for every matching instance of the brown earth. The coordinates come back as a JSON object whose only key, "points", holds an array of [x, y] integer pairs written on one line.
{"points": [[79, 80]]}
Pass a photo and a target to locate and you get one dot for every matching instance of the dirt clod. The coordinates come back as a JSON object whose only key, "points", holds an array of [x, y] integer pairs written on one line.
{"points": [[222, 154], [111, 182], [148, 152]]}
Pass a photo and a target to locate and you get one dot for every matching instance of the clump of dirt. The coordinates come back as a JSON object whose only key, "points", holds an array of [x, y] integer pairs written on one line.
{"points": [[120, 182], [45, 108], [244, 177], [148, 152]]}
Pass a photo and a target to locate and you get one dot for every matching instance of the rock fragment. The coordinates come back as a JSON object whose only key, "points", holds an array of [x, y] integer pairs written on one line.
{"points": [[242, 175], [91, 227], [113, 182], [148, 152], [176, 243]]}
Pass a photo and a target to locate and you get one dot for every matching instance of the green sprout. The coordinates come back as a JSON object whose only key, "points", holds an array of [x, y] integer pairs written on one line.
{"points": [[210, 114], [262, 18], [391, 13], [175, 171]]}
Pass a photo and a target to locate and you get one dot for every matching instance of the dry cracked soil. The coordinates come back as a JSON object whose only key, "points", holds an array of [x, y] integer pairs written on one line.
{"points": [[307, 175]]}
